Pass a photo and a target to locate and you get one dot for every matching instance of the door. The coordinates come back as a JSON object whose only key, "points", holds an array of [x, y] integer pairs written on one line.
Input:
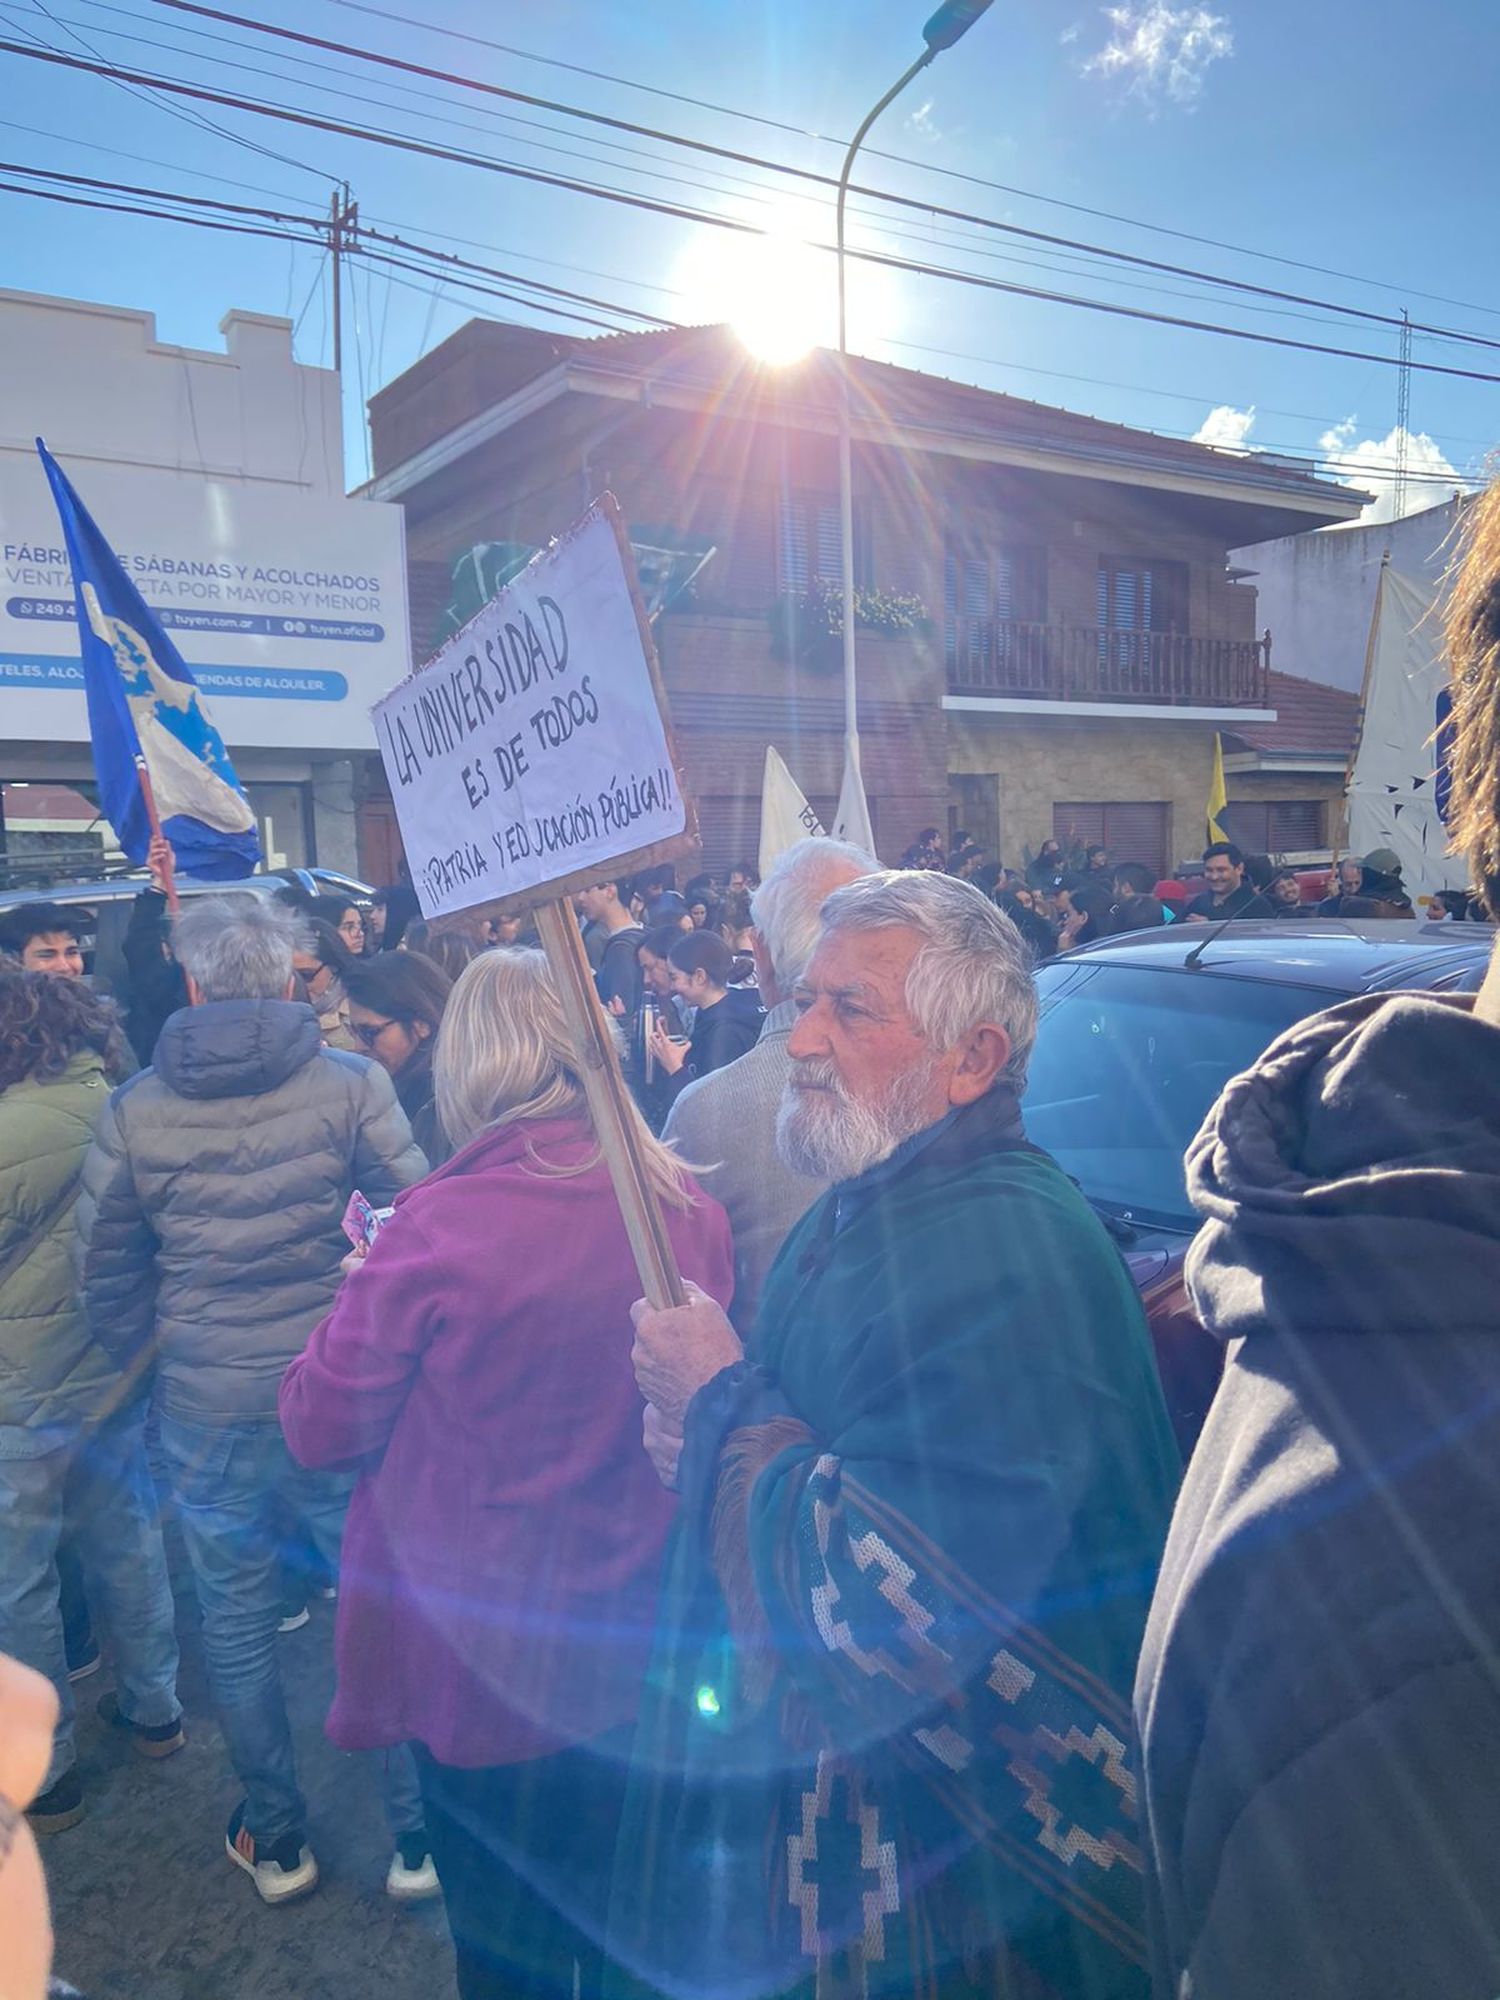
{"points": [[974, 809]]}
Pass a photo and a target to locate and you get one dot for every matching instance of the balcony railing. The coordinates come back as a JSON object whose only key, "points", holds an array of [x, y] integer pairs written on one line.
{"points": [[1089, 663]]}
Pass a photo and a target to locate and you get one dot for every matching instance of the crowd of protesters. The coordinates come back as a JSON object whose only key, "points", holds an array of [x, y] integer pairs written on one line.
{"points": [[852, 1626], [1073, 896]]}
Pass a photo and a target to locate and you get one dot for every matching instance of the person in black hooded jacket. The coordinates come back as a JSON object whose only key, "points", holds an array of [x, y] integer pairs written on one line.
{"points": [[1318, 1702], [727, 1021]]}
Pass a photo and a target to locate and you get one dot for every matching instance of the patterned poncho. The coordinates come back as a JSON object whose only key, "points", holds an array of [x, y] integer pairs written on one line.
{"points": [[886, 1745]]}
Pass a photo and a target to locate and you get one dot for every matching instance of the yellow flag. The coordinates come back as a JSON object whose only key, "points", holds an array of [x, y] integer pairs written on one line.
{"points": [[1217, 797]]}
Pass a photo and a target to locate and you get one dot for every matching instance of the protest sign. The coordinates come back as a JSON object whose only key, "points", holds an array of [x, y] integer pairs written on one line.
{"points": [[531, 755]]}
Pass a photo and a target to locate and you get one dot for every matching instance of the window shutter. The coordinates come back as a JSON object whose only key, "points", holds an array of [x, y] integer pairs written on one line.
{"points": [[1005, 585], [1132, 830], [829, 554], [791, 542], [1294, 825], [1137, 831], [1080, 824]]}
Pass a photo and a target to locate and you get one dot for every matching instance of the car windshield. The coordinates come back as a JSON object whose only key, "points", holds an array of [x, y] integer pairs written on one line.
{"points": [[1127, 1063]]}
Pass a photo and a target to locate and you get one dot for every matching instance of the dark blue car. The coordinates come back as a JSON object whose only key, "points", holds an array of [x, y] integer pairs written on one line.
{"points": [[1140, 1033]]}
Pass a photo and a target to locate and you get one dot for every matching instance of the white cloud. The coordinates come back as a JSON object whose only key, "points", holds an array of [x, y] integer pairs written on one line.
{"points": [[1226, 427], [1370, 464], [921, 122], [1070, 35], [1159, 51]]}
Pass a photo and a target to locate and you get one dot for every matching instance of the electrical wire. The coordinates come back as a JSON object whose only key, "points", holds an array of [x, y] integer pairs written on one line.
{"points": [[759, 191], [474, 287], [317, 223], [764, 164], [181, 112], [901, 159], [538, 177]]}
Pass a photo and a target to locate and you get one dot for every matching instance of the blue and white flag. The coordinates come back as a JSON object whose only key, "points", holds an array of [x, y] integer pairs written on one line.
{"points": [[143, 701]]}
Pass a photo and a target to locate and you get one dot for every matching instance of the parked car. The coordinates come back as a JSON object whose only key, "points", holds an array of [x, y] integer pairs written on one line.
{"points": [[104, 907], [1138, 1036]]}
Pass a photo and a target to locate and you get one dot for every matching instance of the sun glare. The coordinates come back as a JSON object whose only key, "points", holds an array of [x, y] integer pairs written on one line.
{"points": [[774, 300], [779, 293], [774, 290]]}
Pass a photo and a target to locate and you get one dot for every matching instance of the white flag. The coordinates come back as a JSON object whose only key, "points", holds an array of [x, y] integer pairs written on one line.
{"points": [[1393, 786], [785, 815], [851, 820]]}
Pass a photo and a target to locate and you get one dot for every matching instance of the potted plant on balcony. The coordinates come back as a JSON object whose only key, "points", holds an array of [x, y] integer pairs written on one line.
{"points": [[807, 626]]}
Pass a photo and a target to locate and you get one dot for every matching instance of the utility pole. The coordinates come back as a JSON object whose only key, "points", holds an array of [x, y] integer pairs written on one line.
{"points": [[343, 227], [1403, 416]]}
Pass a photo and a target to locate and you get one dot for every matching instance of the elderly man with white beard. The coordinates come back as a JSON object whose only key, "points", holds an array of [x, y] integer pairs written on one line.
{"points": [[886, 1747]]}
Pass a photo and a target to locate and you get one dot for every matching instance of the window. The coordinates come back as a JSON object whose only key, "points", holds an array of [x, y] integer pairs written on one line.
{"points": [[1142, 597], [809, 542], [1132, 829], [1126, 1065], [1276, 826], [51, 831], [984, 592]]}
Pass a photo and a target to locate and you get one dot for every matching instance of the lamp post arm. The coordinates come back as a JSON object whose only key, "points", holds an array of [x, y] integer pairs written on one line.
{"points": [[846, 447], [854, 145]]}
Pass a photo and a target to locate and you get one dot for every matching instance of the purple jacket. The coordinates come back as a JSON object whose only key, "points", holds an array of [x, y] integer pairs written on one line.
{"points": [[498, 1587]]}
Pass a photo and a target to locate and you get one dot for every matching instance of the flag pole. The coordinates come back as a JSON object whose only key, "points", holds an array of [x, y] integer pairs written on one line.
{"points": [[168, 876]]}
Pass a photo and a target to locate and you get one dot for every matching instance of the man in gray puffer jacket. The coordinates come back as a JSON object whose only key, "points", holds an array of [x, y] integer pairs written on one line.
{"points": [[209, 1230]]}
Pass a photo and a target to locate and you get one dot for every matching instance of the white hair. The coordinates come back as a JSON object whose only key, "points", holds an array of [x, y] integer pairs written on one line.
{"points": [[787, 907], [973, 965], [237, 947]]}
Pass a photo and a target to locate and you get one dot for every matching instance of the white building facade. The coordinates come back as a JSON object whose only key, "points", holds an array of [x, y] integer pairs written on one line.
{"points": [[1317, 592], [218, 479]]}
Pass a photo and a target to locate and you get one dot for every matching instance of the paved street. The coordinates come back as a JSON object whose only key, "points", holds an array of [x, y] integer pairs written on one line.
{"points": [[146, 1905]]}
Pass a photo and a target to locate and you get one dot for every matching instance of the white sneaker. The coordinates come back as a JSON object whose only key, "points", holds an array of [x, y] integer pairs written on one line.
{"points": [[279, 1873], [412, 1876], [294, 1620]]}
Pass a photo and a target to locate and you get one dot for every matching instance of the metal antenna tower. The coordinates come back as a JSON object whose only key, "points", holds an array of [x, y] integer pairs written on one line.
{"points": [[1403, 414]]}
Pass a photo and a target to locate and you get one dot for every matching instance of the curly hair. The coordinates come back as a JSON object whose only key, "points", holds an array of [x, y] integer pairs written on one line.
{"points": [[45, 1021], [1473, 640]]}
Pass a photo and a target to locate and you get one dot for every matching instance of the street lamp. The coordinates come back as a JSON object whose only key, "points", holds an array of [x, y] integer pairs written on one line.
{"points": [[949, 24]]}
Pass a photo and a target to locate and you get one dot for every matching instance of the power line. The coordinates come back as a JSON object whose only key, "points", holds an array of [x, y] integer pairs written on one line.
{"points": [[962, 242], [176, 111], [621, 197], [703, 146], [317, 233], [903, 159], [159, 194], [476, 288]]}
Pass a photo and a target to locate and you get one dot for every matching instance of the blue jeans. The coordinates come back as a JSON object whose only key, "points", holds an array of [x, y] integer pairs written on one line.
{"points": [[232, 1484], [99, 1484]]}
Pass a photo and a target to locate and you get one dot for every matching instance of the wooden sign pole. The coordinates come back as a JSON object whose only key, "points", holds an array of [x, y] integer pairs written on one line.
{"points": [[610, 1104], [148, 795]]}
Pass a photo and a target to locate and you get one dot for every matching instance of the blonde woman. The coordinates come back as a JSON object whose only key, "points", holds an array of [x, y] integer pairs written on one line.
{"points": [[500, 1564]]}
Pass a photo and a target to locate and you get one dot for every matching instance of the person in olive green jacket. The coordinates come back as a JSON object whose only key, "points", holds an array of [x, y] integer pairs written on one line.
{"points": [[71, 1444]]}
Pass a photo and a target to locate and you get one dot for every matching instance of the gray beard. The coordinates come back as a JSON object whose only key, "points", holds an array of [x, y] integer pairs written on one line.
{"points": [[827, 1135]]}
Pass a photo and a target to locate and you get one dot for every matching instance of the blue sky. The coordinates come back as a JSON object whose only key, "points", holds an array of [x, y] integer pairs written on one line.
{"points": [[1354, 135]]}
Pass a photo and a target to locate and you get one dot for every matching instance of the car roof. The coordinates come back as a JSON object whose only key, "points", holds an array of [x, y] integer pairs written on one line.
{"points": [[1333, 955], [92, 895]]}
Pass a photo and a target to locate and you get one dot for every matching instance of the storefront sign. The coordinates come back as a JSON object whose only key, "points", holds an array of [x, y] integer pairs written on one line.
{"points": [[290, 609]]}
